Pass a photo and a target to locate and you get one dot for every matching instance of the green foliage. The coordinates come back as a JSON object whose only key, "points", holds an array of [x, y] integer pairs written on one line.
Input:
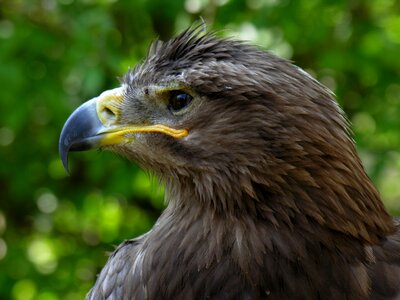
{"points": [[54, 229]]}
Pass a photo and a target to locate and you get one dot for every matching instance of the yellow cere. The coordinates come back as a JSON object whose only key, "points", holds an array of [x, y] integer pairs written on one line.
{"points": [[108, 106]]}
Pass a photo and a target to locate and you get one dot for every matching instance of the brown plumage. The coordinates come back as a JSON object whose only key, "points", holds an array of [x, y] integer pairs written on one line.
{"points": [[267, 197]]}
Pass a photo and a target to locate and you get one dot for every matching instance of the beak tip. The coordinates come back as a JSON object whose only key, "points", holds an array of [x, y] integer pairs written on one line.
{"points": [[64, 156], [65, 164]]}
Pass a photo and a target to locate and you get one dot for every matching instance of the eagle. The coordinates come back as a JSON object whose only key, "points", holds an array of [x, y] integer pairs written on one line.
{"points": [[266, 195]]}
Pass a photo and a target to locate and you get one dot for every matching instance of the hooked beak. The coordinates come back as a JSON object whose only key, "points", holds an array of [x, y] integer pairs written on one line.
{"points": [[95, 124]]}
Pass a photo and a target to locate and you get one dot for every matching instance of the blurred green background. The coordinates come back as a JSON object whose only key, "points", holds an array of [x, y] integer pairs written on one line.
{"points": [[54, 54]]}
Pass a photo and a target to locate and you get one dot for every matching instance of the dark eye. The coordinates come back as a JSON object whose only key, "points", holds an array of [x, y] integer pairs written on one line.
{"points": [[179, 100]]}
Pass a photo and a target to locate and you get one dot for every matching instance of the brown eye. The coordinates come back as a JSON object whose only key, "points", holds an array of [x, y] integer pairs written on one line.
{"points": [[178, 100]]}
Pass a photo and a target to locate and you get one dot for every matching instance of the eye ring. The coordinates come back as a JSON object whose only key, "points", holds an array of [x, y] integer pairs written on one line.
{"points": [[179, 100]]}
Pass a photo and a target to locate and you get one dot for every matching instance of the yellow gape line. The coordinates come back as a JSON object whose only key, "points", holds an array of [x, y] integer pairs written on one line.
{"points": [[118, 135]]}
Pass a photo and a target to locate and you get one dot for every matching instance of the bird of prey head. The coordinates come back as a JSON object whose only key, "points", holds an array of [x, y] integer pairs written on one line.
{"points": [[266, 194]]}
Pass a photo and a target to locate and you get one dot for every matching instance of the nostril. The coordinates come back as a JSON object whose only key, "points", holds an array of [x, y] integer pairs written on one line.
{"points": [[108, 116], [109, 113]]}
